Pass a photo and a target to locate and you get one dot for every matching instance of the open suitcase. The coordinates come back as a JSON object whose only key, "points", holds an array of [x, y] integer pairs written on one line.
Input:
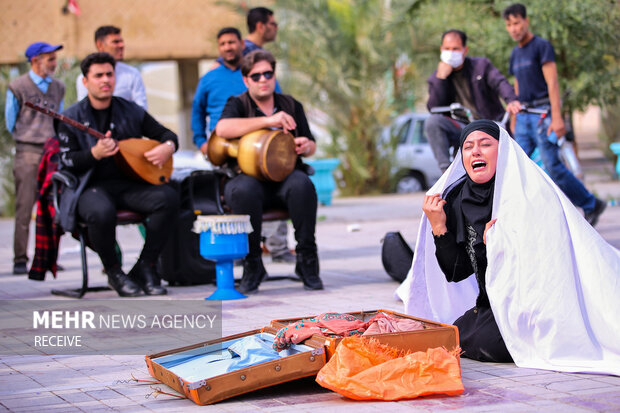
{"points": [[190, 371]]}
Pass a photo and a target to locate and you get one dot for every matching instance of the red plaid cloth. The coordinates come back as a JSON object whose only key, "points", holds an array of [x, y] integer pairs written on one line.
{"points": [[48, 232]]}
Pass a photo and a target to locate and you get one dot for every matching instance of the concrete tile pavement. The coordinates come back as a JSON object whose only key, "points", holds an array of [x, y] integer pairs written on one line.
{"points": [[349, 233]]}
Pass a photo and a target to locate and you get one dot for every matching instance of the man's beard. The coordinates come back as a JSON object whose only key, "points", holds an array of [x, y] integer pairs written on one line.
{"points": [[233, 62]]}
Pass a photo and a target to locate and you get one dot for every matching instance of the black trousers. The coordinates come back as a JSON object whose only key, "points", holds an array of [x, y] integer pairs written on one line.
{"points": [[98, 204], [249, 196], [479, 336]]}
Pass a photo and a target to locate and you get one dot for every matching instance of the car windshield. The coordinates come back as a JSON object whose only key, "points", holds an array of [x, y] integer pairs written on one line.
{"points": [[401, 132]]}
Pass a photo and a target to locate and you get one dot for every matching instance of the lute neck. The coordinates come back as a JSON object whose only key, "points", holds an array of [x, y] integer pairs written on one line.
{"points": [[66, 120]]}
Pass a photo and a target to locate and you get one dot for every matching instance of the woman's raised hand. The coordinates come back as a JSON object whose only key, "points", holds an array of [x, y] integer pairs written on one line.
{"points": [[486, 228], [433, 209]]}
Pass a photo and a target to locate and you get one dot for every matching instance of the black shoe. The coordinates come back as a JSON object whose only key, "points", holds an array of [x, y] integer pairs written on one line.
{"points": [[307, 268], [145, 275], [123, 285], [286, 256], [253, 274], [59, 267], [20, 268], [593, 216]]}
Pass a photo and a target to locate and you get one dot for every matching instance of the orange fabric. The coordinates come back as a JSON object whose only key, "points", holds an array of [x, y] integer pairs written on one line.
{"points": [[364, 369]]}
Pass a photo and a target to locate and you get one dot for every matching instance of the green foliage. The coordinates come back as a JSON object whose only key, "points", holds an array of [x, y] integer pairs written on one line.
{"points": [[7, 187], [610, 122], [585, 35], [343, 56], [68, 70]]}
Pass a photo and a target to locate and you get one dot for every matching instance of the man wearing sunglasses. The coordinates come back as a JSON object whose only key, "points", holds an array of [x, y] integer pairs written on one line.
{"points": [[213, 90], [262, 108]]}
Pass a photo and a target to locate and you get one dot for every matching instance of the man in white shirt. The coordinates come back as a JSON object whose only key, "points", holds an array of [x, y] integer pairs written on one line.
{"points": [[129, 83]]}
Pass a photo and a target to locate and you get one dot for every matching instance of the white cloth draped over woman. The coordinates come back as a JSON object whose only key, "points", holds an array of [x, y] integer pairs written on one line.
{"points": [[553, 282]]}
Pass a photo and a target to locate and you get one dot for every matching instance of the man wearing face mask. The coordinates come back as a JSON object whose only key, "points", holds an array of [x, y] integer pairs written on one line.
{"points": [[471, 81]]}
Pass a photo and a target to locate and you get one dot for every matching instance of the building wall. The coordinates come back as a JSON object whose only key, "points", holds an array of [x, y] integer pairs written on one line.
{"points": [[152, 29]]}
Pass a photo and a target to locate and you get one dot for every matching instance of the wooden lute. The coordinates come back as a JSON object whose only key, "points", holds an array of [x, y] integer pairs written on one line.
{"points": [[130, 156]]}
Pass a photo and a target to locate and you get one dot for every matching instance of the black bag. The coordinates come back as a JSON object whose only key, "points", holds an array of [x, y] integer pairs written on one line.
{"points": [[396, 256], [180, 262]]}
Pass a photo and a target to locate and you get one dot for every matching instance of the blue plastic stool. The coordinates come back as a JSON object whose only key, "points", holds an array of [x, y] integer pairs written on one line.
{"points": [[223, 244]]}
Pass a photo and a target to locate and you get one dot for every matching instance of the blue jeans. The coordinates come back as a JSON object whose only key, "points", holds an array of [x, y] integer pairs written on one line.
{"points": [[530, 133]]}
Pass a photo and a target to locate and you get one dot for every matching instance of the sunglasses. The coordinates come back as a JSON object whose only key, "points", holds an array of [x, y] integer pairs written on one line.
{"points": [[256, 76]]}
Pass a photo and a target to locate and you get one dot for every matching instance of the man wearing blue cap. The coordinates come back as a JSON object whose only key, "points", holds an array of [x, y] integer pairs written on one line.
{"points": [[30, 130]]}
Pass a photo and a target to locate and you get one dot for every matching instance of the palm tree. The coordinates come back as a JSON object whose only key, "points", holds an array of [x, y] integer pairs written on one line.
{"points": [[344, 59]]}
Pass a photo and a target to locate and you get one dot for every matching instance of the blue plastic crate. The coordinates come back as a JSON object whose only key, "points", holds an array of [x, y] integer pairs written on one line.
{"points": [[323, 178], [615, 148]]}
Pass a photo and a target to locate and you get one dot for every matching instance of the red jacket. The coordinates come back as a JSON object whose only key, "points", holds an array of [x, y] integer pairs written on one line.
{"points": [[48, 232]]}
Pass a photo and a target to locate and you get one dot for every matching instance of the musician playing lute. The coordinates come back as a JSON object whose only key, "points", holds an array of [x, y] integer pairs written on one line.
{"points": [[103, 187]]}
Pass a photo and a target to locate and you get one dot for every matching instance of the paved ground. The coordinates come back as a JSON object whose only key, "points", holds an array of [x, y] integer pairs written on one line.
{"points": [[349, 234]]}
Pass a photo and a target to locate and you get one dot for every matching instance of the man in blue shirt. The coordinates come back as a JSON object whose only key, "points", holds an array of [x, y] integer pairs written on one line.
{"points": [[532, 62], [217, 85], [30, 130]]}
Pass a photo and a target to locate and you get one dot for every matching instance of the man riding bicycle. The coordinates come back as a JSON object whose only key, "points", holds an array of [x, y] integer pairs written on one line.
{"points": [[471, 81]]}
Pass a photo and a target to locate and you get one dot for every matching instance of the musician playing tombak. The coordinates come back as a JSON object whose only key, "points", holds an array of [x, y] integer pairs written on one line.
{"points": [[261, 108], [103, 187]]}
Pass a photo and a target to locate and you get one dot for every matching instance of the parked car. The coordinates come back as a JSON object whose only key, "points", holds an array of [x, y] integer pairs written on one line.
{"points": [[414, 164]]}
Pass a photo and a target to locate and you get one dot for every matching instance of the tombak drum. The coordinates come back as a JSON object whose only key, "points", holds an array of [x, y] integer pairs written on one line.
{"points": [[268, 155]]}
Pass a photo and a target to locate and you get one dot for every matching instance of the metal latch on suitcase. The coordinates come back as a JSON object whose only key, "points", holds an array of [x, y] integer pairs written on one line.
{"points": [[197, 384], [318, 351]]}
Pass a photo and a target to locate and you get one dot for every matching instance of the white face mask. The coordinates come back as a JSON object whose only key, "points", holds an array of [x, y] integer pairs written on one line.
{"points": [[452, 57]]}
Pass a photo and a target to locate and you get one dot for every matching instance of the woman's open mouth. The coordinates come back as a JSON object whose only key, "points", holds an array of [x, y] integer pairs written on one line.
{"points": [[476, 165]]}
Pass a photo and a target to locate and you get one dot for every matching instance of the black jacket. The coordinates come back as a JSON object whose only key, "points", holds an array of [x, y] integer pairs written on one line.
{"points": [[486, 83], [129, 120]]}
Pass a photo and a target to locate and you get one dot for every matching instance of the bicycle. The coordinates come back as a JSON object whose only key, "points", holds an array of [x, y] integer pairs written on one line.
{"points": [[567, 154]]}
